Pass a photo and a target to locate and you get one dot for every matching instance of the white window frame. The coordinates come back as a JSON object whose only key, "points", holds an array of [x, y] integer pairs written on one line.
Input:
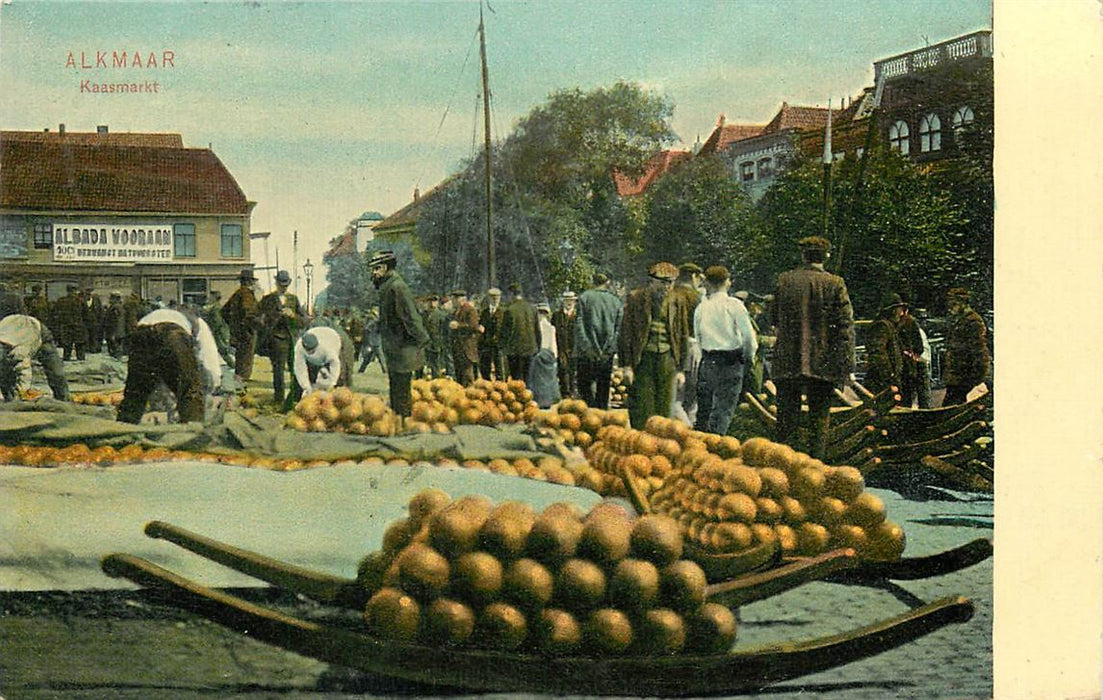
{"points": [[899, 137], [963, 116], [180, 233], [930, 133]]}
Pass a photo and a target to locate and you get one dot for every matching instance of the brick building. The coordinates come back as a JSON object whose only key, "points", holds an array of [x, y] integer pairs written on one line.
{"points": [[119, 213]]}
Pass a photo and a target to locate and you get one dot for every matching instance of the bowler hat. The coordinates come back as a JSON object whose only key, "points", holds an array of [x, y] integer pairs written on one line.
{"points": [[891, 300], [247, 274], [283, 277], [310, 341], [663, 271], [383, 257]]}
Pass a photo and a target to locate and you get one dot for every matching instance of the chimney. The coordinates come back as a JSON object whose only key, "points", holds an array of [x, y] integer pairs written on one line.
{"points": [[61, 129], [101, 129], [720, 120], [417, 194]]}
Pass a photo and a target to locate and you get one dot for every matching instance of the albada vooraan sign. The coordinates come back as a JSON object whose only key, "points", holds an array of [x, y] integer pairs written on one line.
{"points": [[111, 243]]}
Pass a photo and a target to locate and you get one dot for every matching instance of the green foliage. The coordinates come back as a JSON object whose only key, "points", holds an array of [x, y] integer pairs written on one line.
{"points": [[698, 212], [349, 282]]}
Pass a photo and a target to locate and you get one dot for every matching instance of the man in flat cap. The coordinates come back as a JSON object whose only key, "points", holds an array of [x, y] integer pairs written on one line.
{"points": [[403, 333], [241, 314], [967, 357], [564, 321], [654, 338], [600, 312], [689, 287], [323, 359], [282, 318], [723, 329], [884, 355], [519, 336], [490, 352], [70, 315], [436, 325], [464, 330], [814, 353]]}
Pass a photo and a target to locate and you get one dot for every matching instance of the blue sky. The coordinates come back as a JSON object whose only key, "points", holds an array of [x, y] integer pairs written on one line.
{"points": [[322, 110]]}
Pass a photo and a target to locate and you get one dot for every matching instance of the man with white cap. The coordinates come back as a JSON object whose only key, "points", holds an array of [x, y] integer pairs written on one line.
{"points": [[318, 362]]}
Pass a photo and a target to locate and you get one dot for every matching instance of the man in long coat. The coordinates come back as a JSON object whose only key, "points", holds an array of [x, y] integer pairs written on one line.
{"points": [[282, 318], [600, 313], [565, 322], [70, 316], [815, 343], [519, 337], [464, 331], [884, 354], [37, 305], [490, 318], [654, 339], [404, 336], [114, 325], [93, 318], [967, 358], [241, 313]]}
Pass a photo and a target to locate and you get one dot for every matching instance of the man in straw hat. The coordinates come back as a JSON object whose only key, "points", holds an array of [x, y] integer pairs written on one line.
{"points": [[815, 343], [967, 358], [401, 329], [240, 313], [654, 337], [884, 355]]}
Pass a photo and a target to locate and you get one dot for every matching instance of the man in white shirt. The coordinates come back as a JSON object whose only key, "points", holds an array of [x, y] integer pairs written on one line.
{"points": [[728, 344], [175, 348], [24, 337], [317, 364]]}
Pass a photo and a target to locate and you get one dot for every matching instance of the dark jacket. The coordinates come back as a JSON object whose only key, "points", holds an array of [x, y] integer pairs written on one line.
{"points": [[637, 323], [436, 325], [884, 358], [520, 331], [465, 338], [279, 325], [565, 332], [491, 321], [967, 357], [69, 314], [403, 334], [38, 307], [240, 313], [815, 326], [114, 320], [598, 324]]}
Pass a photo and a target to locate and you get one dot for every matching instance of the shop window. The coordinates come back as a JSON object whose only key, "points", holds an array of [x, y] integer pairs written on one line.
{"points": [[930, 133], [43, 236], [183, 240], [746, 171], [194, 290], [898, 137], [232, 244]]}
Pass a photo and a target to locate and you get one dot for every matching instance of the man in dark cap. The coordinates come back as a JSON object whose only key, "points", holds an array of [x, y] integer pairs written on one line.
{"points": [[490, 318], [564, 320], [723, 329], [967, 358], [37, 305], [93, 319], [688, 286], [70, 315], [597, 328], [917, 360], [403, 334], [323, 359], [464, 331], [884, 355], [519, 337], [240, 313], [282, 318], [436, 325], [114, 325], [654, 338], [815, 343]]}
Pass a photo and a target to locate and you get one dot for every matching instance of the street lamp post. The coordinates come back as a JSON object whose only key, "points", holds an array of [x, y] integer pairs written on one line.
{"points": [[308, 269], [566, 253]]}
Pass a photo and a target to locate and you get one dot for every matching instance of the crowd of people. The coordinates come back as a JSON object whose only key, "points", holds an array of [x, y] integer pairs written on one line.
{"points": [[688, 346]]}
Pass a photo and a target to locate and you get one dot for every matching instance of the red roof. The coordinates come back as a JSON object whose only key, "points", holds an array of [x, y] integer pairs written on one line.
{"points": [[56, 176], [94, 138], [659, 164], [725, 134], [345, 244], [800, 118]]}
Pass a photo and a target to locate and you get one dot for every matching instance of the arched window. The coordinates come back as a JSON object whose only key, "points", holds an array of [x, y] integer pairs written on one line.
{"points": [[963, 117], [746, 171], [765, 168], [898, 137], [930, 133]]}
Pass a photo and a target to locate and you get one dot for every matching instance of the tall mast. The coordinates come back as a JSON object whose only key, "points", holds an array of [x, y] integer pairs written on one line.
{"points": [[490, 271]]}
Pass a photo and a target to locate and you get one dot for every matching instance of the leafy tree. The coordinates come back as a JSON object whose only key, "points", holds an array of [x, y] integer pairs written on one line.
{"points": [[698, 212], [900, 231]]}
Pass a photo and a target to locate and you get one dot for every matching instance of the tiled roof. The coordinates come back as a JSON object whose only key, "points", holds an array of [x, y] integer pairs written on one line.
{"points": [[659, 164], [800, 118], [92, 138], [725, 134], [406, 217], [345, 244], [51, 176]]}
